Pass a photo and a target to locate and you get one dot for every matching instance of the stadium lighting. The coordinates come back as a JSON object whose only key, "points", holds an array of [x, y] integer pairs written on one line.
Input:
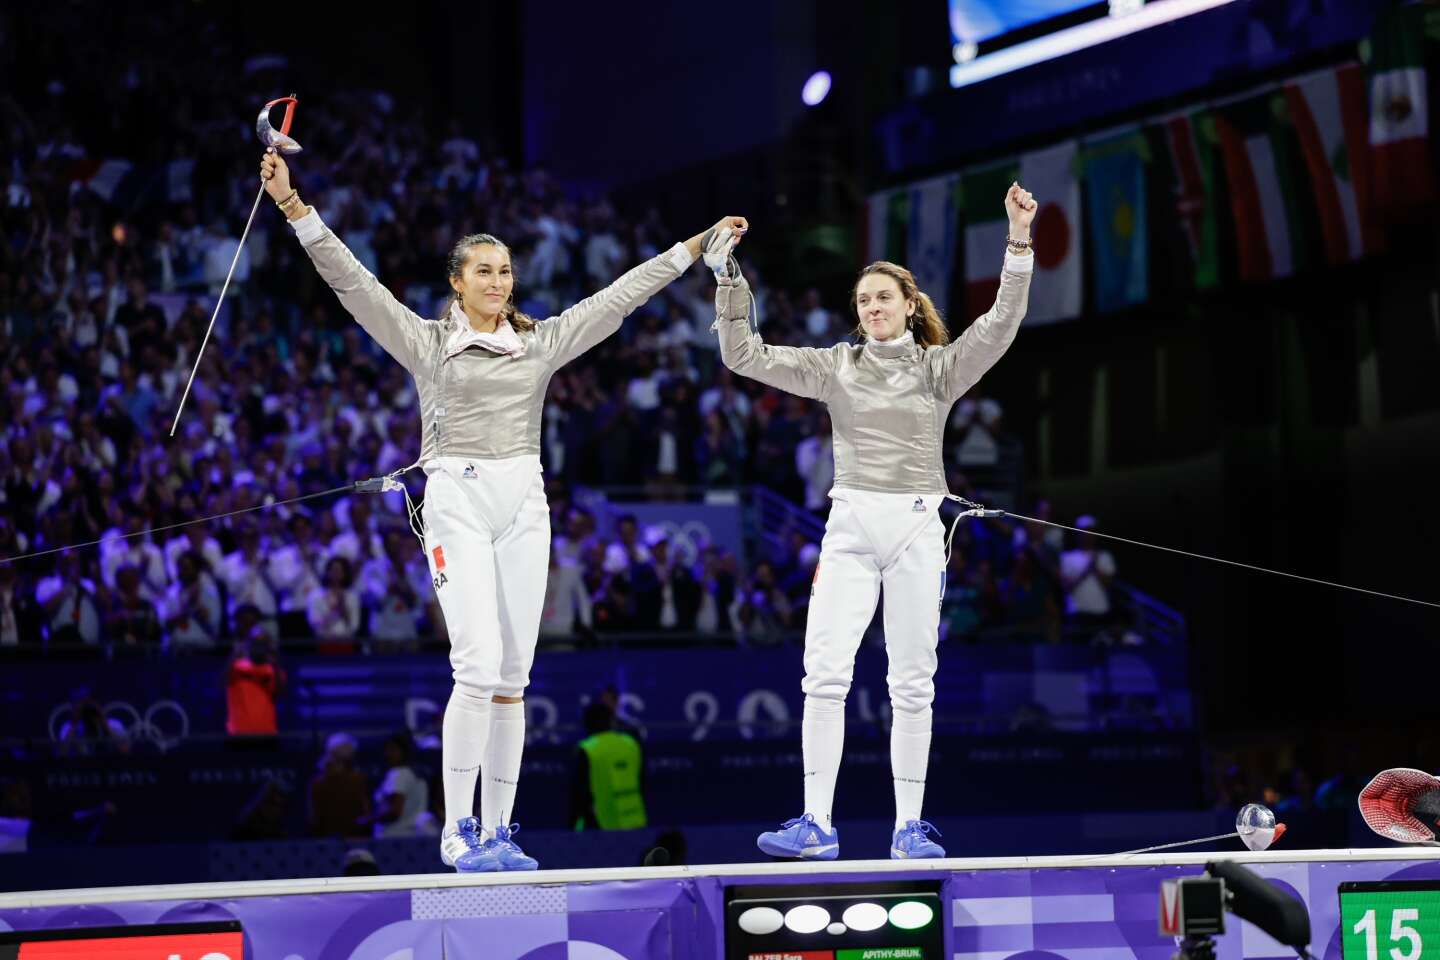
{"points": [[816, 88]]}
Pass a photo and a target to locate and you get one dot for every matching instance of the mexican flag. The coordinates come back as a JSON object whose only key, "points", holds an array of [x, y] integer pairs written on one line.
{"points": [[1050, 174], [1403, 182], [931, 238], [1114, 173], [1187, 222], [1268, 186], [1327, 110]]}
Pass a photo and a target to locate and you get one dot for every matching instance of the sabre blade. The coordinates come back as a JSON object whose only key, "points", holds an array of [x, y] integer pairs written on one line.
{"points": [[219, 300]]}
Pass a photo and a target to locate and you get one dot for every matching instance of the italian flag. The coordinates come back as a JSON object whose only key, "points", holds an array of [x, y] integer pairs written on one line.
{"points": [[1267, 186], [986, 226], [1403, 181], [1327, 111]]}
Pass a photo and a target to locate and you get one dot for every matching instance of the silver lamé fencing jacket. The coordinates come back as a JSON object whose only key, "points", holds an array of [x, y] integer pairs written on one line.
{"points": [[888, 401], [475, 402]]}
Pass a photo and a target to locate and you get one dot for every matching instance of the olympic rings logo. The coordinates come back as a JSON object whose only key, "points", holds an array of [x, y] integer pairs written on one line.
{"points": [[686, 539], [165, 723]]}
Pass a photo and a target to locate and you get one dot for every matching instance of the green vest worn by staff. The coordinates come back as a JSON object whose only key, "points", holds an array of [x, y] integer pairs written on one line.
{"points": [[614, 760]]}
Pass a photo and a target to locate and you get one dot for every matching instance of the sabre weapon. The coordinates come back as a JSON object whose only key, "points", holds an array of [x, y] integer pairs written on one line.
{"points": [[277, 141]]}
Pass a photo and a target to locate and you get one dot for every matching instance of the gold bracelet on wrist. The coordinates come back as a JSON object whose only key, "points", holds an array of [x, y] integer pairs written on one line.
{"points": [[294, 194]]}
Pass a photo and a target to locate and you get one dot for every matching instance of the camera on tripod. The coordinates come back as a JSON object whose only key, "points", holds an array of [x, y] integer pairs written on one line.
{"points": [[1192, 909]]}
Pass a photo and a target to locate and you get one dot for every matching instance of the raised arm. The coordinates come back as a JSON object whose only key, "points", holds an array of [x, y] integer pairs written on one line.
{"points": [[956, 366], [565, 337], [394, 326], [805, 371]]}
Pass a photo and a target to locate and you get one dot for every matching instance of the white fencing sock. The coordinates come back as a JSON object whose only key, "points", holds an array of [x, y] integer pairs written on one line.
{"points": [[502, 764], [463, 736], [909, 756], [822, 742]]}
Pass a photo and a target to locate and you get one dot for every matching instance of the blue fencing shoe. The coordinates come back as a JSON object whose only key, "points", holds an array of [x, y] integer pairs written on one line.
{"points": [[912, 842], [801, 838], [462, 848], [507, 851]]}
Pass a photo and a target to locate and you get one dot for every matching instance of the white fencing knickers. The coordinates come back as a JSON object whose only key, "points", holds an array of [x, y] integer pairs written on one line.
{"points": [[487, 541], [872, 540]]}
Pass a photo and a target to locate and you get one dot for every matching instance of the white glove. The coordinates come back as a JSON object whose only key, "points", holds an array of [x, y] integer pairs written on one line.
{"points": [[717, 245]]}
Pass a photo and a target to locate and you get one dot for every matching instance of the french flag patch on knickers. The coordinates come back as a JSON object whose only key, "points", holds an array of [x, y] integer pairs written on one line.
{"points": [[439, 554]]}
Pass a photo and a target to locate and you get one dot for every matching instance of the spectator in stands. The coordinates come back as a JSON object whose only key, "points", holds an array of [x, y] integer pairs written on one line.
{"points": [[338, 798], [719, 454], [264, 816], [360, 863], [192, 606], [295, 571], [761, 611], [679, 594], [21, 616], [821, 325], [975, 426], [131, 620], [717, 592], [402, 800], [87, 731], [16, 818], [815, 463], [1030, 602], [395, 589], [334, 606], [197, 541], [1085, 574], [244, 573], [567, 603]]}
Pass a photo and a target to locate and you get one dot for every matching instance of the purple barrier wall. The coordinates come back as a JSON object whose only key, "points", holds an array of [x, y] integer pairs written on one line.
{"points": [[1071, 911]]}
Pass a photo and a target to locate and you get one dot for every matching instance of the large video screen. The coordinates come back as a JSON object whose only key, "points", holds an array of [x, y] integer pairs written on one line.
{"points": [[975, 21], [994, 37]]}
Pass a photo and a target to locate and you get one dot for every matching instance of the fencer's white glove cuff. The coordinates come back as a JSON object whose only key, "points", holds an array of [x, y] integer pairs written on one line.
{"points": [[717, 246], [1019, 264], [308, 228], [679, 257]]}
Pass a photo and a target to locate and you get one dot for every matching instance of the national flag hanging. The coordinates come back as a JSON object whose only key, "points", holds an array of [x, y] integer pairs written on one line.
{"points": [[1056, 289], [1186, 223], [986, 223], [931, 238], [1403, 181], [1114, 174], [1328, 111], [1268, 185]]}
